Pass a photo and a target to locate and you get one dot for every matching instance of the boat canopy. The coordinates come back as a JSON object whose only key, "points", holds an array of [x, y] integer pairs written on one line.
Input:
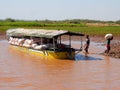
{"points": [[40, 33]]}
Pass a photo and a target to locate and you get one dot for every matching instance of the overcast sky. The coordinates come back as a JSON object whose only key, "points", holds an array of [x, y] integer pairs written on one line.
{"points": [[60, 9]]}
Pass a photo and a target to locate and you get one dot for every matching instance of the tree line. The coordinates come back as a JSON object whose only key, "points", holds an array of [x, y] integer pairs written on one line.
{"points": [[72, 21]]}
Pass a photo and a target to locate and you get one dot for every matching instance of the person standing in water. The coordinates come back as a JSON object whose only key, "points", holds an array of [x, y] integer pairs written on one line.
{"points": [[108, 45], [87, 43]]}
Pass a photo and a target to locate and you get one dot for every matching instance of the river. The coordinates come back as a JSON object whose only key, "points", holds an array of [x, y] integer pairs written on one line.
{"points": [[22, 71]]}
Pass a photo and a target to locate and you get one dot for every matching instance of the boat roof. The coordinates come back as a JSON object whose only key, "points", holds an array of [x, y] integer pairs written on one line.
{"points": [[40, 32]]}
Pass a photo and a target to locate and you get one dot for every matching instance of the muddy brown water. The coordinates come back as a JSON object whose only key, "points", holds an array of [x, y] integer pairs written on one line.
{"points": [[22, 71]]}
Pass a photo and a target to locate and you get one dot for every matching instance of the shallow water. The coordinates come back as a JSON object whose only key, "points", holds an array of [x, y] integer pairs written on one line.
{"points": [[22, 71]]}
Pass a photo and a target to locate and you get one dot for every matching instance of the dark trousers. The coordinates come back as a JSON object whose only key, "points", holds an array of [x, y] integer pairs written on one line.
{"points": [[108, 49], [86, 49]]}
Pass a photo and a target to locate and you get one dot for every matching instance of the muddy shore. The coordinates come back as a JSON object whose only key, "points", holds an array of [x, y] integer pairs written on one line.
{"points": [[115, 43], [2, 36]]}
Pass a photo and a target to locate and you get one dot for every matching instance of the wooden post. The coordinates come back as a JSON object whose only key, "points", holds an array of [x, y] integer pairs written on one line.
{"points": [[81, 43], [41, 41], [60, 39], [54, 44], [70, 40]]}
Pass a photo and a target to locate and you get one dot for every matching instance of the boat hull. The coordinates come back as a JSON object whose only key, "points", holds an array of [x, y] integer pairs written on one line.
{"points": [[46, 53]]}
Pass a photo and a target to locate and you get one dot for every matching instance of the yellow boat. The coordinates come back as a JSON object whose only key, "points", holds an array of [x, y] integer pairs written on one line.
{"points": [[40, 42]]}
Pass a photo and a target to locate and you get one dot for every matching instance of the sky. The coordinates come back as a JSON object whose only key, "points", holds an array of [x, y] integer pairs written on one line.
{"points": [[107, 10]]}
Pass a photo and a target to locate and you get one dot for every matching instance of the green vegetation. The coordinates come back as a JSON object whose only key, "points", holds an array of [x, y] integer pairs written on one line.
{"points": [[91, 27]]}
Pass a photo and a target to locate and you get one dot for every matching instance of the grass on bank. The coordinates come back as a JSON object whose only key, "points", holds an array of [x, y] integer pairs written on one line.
{"points": [[83, 28]]}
